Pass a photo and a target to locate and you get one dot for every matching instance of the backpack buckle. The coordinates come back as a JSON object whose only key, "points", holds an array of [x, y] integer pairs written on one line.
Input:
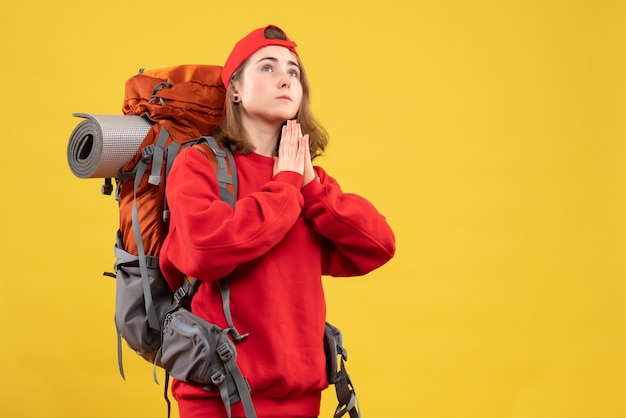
{"points": [[146, 153], [218, 378], [107, 187], [224, 351], [180, 294], [236, 336], [152, 262]]}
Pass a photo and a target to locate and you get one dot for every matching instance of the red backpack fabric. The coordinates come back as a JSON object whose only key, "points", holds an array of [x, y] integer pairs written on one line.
{"points": [[187, 101]]}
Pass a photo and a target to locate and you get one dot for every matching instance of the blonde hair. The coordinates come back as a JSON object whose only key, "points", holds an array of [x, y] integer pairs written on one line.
{"points": [[231, 133]]}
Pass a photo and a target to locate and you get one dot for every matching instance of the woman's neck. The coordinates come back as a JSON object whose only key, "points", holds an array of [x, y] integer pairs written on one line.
{"points": [[263, 136]]}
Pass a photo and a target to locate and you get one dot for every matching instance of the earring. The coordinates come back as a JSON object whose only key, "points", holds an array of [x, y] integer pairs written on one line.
{"points": [[236, 98]]}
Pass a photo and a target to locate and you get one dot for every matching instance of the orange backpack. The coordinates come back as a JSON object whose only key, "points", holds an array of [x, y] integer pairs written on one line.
{"points": [[186, 103]]}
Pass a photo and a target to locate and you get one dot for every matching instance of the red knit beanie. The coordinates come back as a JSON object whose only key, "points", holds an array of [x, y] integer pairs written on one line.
{"points": [[254, 41]]}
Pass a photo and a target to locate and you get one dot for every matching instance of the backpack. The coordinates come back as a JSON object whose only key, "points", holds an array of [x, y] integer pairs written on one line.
{"points": [[182, 106], [185, 103]]}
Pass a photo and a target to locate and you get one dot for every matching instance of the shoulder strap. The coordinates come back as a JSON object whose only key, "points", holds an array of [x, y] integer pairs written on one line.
{"points": [[223, 162], [225, 290]]}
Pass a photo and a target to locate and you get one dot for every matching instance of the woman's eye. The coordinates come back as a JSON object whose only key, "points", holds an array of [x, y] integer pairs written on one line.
{"points": [[266, 68], [294, 73]]}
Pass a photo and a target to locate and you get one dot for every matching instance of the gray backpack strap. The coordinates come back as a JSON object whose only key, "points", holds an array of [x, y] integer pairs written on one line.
{"points": [[172, 150], [154, 154], [157, 158], [225, 290], [170, 154], [142, 165], [121, 257], [229, 359], [223, 178], [188, 288]]}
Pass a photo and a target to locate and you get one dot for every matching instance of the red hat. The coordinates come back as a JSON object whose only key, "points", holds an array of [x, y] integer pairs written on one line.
{"points": [[254, 41]]}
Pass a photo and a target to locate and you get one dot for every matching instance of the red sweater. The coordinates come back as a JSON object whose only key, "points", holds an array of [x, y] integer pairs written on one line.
{"points": [[274, 248]]}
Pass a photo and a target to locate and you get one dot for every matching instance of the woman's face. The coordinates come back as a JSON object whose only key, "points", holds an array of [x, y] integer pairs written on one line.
{"points": [[269, 86]]}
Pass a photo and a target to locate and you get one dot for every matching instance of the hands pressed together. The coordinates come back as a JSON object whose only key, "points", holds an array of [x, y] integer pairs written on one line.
{"points": [[294, 153]]}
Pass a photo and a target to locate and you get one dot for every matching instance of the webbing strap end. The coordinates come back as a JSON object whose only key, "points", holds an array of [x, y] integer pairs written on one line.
{"points": [[154, 180]]}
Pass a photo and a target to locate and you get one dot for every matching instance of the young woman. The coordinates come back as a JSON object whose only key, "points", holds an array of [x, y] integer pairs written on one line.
{"points": [[291, 224]]}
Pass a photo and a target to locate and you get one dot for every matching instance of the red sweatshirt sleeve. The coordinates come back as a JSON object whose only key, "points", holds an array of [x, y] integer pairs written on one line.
{"points": [[207, 238], [357, 237]]}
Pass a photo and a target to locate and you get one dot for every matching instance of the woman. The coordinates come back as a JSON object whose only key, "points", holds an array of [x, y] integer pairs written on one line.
{"points": [[291, 225]]}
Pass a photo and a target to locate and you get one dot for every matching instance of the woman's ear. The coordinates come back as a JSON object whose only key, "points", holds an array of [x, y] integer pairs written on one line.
{"points": [[234, 89]]}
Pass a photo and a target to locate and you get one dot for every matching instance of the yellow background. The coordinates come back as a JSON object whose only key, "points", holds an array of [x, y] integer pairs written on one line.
{"points": [[490, 133]]}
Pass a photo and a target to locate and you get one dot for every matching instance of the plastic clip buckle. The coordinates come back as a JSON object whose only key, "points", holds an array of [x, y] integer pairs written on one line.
{"points": [[107, 187], [218, 378], [147, 153], [236, 336], [180, 294], [224, 351]]}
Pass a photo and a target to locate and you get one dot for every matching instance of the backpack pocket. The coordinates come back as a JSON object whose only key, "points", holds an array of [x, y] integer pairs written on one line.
{"points": [[196, 351], [190, 348], [130, 310]]}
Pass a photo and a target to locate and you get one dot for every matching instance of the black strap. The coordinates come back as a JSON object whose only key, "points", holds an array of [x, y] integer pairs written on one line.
{"points": [[346, 395], [165, 394], [107, 187]]}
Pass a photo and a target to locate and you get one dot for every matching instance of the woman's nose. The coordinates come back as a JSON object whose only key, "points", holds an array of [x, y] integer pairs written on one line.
{"points": [[285, 81]]}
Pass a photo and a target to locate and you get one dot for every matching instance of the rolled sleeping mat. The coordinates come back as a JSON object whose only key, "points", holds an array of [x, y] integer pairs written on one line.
{"points": [[101, 144]]}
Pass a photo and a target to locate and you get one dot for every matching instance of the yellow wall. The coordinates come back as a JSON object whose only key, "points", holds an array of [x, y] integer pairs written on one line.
{"points": [[490, 133]]}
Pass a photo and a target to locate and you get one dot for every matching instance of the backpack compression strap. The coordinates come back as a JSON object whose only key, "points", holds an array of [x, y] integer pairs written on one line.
{"points": [[224, 382], [154, 154]]}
